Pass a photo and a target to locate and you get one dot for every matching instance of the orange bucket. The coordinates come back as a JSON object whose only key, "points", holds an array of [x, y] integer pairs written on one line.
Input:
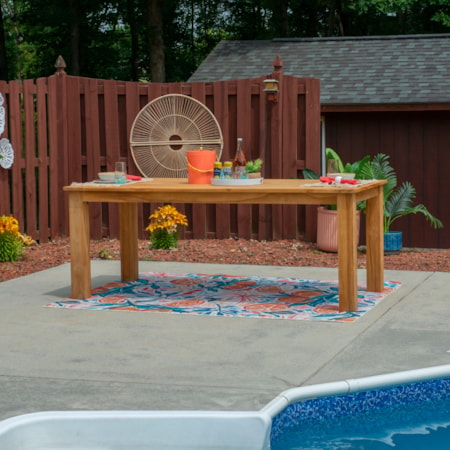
{"points": [[200, 166]]}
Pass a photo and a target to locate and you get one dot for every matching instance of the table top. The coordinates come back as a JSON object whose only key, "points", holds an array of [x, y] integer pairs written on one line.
{"points": [[177, 184], [178, 190]]}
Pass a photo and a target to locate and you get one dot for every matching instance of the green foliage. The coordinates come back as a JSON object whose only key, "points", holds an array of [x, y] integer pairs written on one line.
{"points": [[359, 168], [105, 253], [254, 166], [309, 174], [162, 239], [110, 39], [398, 200], [11, 247]]}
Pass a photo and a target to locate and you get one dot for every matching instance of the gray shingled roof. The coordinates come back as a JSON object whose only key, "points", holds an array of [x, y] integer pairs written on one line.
{"points": [[352, 70]]}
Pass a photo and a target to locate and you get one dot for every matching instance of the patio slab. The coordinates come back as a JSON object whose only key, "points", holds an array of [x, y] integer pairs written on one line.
{"points": [[58, 359]]}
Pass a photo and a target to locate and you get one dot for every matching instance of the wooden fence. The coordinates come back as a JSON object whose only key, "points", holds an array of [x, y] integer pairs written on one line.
{"points": [[66, 129]]}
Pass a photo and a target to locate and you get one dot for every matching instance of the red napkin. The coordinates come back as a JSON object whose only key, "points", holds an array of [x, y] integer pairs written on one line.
{"points": [[134, 177], [330, 180]]}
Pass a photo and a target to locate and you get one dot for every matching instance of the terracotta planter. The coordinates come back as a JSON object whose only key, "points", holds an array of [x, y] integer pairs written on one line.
{"points": [[254, 175], [327, 239]]}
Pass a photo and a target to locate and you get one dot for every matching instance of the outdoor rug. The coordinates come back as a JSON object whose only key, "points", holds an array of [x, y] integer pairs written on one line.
{"points": [[224, 295]]}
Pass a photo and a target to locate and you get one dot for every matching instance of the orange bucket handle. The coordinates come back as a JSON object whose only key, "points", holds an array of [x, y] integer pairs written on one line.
{"points": [[198, 170]]}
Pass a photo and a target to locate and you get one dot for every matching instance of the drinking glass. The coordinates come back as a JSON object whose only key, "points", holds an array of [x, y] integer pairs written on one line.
{"points": [[120, 173], [332, 168]]}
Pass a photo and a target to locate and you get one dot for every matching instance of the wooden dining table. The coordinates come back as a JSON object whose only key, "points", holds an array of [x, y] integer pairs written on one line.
{"points": [[271, 191]]}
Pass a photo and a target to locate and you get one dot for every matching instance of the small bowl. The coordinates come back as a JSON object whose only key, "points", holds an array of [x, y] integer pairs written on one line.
{"points": [[106, 176], [347, 176]]}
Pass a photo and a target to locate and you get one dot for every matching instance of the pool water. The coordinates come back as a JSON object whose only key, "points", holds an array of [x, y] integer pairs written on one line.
{"points": [[412, 416]]}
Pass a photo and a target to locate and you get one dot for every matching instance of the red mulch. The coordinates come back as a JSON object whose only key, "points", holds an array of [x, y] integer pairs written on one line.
{"points": [[228, 251]]}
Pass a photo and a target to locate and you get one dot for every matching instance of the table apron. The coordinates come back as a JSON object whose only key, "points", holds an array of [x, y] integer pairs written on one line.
{"points": [[226, 198]]}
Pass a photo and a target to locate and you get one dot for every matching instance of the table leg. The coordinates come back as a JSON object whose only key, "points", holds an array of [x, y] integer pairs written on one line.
{"points": [[375, 242], [80, 266], [347, 253], [129, 241]]}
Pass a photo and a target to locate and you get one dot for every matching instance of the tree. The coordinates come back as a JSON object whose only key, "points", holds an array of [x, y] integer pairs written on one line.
{"points": [[156, 40], [402, 16]]}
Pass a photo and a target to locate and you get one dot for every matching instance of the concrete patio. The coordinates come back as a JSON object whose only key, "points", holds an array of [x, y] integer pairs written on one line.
{"points": [[59, 359]]}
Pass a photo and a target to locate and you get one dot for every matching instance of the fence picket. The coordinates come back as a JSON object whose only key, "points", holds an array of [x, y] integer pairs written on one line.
{"points": [[15, 128], [112, 149], [30, 160], [43, 233]]}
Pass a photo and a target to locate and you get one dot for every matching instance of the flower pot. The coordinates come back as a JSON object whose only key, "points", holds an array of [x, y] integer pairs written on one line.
{"points": [[254, 175], [393, 241], [327, 235]]}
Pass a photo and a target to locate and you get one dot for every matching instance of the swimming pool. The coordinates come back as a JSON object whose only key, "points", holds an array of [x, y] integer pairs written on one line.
{"points": [[370, 413], [409, 416], [405, 410]]}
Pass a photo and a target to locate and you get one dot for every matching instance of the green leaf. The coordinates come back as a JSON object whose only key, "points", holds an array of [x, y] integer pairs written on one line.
{"points": [[162, 239], [332, 154], [254, 166], [309, 174], [11, 248], [400, 203]]}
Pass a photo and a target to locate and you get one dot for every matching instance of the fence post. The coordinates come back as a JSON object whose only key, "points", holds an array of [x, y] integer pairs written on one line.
{"points": [[275, 139], [58, 148]]}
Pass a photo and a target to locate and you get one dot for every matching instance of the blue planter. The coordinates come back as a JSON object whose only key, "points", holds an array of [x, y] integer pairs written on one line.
{"points": [[393, 241]]}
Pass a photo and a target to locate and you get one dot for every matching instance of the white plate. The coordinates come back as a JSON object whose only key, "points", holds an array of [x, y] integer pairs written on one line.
{"points": [[236, 182]]}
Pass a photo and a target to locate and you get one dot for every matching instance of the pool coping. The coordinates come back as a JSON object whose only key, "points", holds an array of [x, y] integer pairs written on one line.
{"points": [[295, 395]]}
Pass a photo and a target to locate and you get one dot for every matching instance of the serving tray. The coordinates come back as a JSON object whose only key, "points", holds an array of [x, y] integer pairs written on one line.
{"points": [[236, 181]]}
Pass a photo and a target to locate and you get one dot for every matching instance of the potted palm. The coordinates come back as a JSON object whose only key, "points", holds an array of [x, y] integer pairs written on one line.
{"points": [[398, 201]]}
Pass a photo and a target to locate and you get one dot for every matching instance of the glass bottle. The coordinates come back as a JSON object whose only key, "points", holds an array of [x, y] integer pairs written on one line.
{"points": [[227, 170], [217, 169], [240, 160]]}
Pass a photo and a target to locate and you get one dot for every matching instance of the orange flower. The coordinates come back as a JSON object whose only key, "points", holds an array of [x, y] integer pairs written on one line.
{"points": [[261, 307], [240, 285], [269, 289], [303, 295], [112, 299], [327, 309], [166, 218], [185, 303]]}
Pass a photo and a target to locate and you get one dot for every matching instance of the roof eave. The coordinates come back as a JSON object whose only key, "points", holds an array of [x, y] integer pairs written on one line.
{"points": [[373, 107]]}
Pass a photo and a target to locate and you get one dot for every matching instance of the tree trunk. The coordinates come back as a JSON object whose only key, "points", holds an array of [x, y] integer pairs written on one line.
{"points": [[74, 38], [3, 60], [134, 41], [284, 18], [156, 41]]}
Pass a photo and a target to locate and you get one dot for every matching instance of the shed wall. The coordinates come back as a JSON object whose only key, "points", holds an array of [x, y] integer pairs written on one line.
{"points": [[418, 143]]}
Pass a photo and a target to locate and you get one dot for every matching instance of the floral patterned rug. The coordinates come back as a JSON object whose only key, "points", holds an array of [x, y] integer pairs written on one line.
{"points": [[232, 296]]}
